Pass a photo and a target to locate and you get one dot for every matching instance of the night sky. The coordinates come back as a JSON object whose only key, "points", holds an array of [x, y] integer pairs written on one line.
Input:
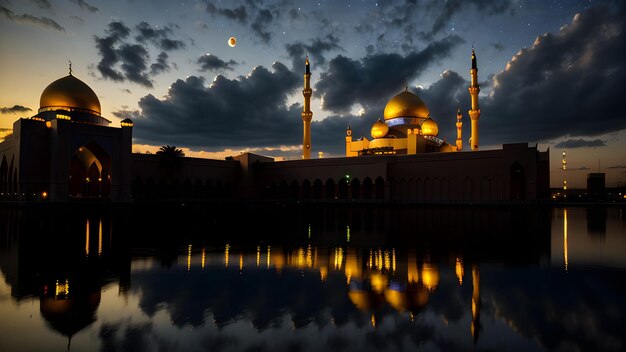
{"points": [[551, 72]]}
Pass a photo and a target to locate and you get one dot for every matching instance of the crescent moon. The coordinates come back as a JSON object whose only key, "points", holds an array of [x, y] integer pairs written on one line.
{"points": [[232, 41]]}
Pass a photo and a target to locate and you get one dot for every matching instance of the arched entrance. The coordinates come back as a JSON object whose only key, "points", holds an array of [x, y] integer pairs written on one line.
{"points": [[90, 172]]}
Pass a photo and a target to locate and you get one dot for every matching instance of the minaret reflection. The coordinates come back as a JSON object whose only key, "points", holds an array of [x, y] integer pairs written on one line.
{"points": [[100, 237], [189, 258], [87, 238], [475, 326], [565, 257], [459, 270]]}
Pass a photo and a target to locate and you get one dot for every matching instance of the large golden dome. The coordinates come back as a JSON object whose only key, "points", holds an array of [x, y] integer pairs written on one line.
{"points": [[69, 93], [406, 104]]}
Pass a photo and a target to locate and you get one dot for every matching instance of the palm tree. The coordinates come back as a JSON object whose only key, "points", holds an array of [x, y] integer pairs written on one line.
{"points": [[171, 157]]}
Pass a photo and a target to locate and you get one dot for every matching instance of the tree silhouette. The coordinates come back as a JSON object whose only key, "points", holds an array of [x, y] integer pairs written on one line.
{"points": [[171, 157]]}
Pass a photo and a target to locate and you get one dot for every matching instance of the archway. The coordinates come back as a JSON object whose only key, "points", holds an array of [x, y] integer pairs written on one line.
{"points": [[90, 172]]}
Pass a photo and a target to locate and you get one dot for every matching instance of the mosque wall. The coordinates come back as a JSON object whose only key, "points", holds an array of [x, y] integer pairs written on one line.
{"points": [[190, 178], [515, 173]]}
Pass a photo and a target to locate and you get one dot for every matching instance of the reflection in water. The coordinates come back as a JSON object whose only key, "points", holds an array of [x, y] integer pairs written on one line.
{"points": [[459, 270], [475, 327], [565, 237], [319, 291]]}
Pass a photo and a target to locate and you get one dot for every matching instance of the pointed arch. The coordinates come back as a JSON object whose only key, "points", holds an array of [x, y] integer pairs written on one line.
{"points": [[306, 189], [318, 189], [355, 189], [380, 188], [367, 188], [330, 189], [343, 188]]}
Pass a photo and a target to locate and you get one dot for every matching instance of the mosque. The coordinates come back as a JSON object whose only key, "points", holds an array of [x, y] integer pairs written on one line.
{"points": [[408, 127], [69, 152]]}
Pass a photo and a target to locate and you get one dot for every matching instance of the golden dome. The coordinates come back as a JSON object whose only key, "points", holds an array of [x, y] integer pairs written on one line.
{"points": [[379, 129], [406, 104], [430, 128], [69, 93]]}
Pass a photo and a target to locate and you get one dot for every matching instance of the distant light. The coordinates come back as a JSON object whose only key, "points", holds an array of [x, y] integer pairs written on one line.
{"points": [[44, 194]]}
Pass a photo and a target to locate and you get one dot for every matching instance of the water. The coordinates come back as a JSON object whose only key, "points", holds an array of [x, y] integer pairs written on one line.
{"points": [[306, 278]]}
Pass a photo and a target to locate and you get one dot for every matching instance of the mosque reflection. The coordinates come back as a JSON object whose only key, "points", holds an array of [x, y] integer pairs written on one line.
{"points": [[336, 267]]}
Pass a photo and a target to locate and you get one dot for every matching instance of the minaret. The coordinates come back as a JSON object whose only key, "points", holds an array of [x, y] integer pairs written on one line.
{"points": [[459, 130], [474, 113], [307, 115]]}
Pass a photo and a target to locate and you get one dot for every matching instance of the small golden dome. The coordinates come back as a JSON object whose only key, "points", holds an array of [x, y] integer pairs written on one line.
{"points": [[430, 128], [69, 93], [379, 129], [406, 104]]}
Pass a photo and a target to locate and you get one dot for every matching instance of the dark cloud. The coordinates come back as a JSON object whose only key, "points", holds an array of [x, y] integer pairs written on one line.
{"points": [[122, 60], [316, 50], [445, 10], [253, 13], [85, 6], [14, 109], [568, 83], [158, 36], [247, 111], [238, 14], [44, 22], [581, 168], [617, 167], [210, 62], [134, 64], [581, 143], [375, 78], [108, 53], [161, 65], [42, 4], [261, 22]]}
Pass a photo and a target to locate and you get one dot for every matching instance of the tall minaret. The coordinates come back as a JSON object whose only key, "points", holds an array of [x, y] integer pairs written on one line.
{"points": [[474, 113], [459, 130], [307, 114]]}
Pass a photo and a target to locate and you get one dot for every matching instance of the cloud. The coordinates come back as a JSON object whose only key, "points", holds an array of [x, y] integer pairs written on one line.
{"points": [[42, 4], [122, 60], [85, 6], [78, 19], [238, 14], [210, 62], [375, 78], [44, 22], [158, 36], [316, 50], [447, 9], [250, 110], [581, 143], [14, 109], [161, 65], [568, 83], [261, 22], [582, 168], [261, 17], [617, 167]]}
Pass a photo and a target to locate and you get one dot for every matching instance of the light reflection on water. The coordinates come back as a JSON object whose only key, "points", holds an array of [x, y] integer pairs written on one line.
{"points": [[535, 282]]}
